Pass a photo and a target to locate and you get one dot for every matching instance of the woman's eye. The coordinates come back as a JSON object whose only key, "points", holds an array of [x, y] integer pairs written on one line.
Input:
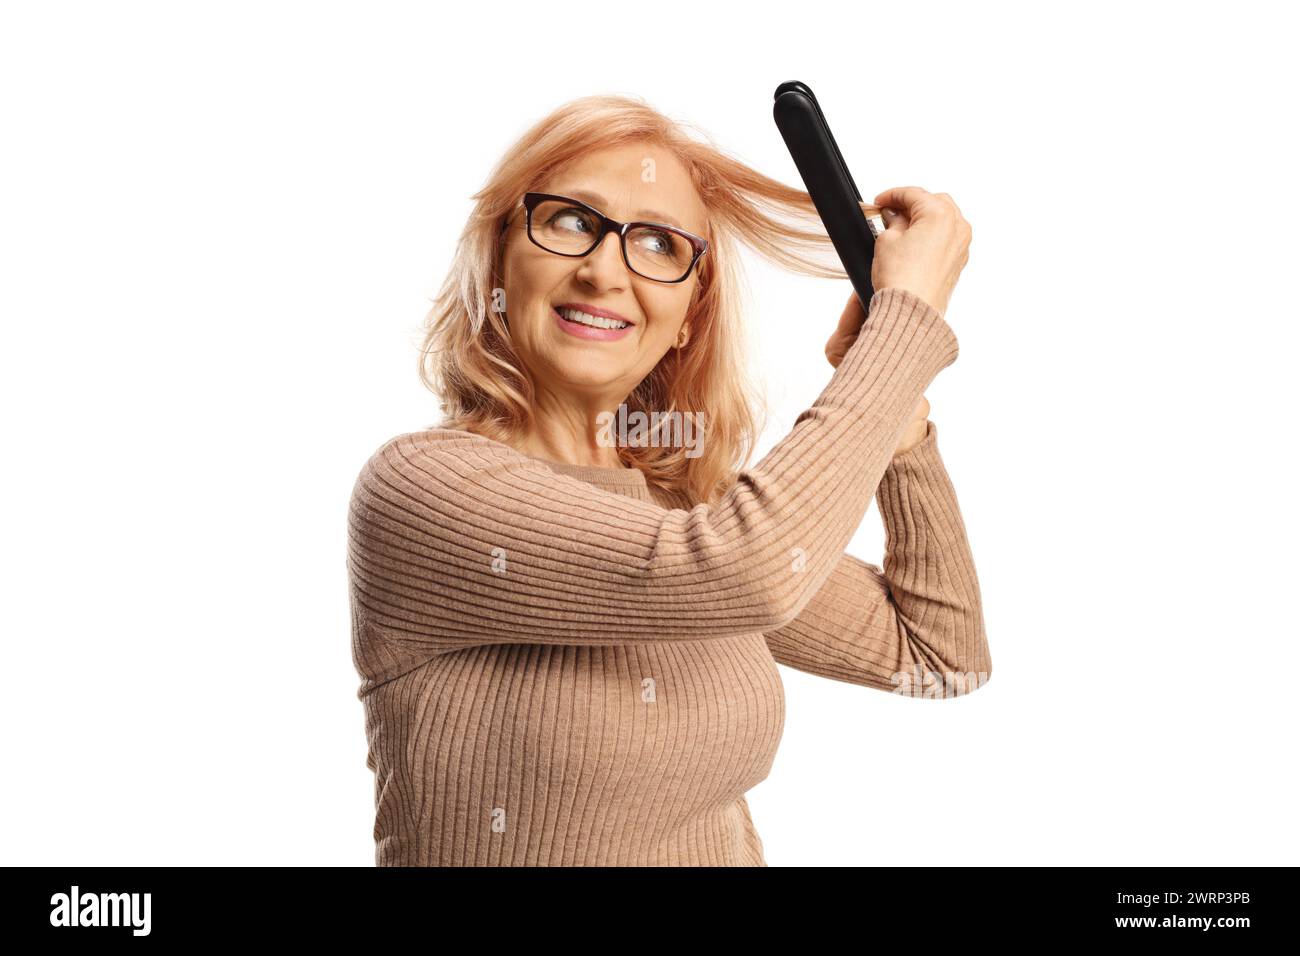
{"points": [[572, 220], [657, 242]]}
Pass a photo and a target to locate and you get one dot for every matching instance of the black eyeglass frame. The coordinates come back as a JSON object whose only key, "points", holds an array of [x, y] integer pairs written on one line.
{"points": [[607, 225]]}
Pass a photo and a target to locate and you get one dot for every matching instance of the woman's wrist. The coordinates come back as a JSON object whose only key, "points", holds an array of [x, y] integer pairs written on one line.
{"points": [[915, 433]]}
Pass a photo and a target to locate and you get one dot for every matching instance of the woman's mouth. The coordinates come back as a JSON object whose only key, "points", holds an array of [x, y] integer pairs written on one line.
{"points": [[583, 325]]}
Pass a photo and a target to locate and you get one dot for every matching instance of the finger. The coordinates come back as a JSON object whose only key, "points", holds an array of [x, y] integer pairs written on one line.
{"points": [[949, 201], [887, 216], [852, 317], [894, 219], [906, 198]]}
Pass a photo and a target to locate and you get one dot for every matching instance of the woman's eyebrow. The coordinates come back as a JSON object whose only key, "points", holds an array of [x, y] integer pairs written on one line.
{"points": [[598, 200]]}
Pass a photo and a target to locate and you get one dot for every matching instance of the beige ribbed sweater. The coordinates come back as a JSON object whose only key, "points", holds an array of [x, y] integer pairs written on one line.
{"points": [[562, 666]]}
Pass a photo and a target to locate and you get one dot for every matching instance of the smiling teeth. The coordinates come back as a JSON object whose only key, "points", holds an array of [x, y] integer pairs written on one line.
{"points": [[597, 321]]}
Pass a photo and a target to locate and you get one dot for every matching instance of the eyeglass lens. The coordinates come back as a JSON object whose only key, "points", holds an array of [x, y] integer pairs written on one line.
{"points": [[654, 252]]}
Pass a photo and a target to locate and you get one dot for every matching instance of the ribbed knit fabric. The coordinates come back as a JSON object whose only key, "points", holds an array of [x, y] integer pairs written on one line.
{"points": [[564, 666]]}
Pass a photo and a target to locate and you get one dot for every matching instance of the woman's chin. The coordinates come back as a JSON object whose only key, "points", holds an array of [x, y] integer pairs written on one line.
{"points": [[586, 379]]}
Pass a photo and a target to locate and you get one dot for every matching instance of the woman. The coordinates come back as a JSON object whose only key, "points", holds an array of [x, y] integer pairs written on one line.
{"points": [[569, 647]]}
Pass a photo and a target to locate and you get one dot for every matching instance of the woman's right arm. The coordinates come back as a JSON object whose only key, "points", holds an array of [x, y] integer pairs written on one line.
{"points": [[456, 540]]}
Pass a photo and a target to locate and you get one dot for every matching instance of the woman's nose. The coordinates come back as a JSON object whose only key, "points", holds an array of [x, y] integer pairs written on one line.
{"points": [[606, 260]]}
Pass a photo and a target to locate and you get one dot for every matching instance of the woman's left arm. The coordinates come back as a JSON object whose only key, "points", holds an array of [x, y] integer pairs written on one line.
{"points": [[917, 628]]}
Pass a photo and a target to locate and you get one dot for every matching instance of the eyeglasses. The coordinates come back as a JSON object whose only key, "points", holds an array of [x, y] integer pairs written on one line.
{"points": [[652, 250]]}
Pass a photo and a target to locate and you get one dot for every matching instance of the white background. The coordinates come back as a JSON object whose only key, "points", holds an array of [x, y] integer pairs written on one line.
{"points": [[221, 225]]}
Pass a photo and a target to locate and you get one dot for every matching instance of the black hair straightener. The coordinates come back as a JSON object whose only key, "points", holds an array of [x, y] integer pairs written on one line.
{"points": [[826, 177]]}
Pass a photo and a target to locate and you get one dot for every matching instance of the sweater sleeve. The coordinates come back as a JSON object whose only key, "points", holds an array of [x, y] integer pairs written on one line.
{"points": [[457, 540], [917, 628]]}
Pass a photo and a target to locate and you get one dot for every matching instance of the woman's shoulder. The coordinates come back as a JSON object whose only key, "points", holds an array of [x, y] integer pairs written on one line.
{"points": [[441, 447]]}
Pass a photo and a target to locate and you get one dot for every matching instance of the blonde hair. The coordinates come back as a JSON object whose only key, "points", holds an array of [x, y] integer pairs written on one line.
{"points": [[466, 356]]}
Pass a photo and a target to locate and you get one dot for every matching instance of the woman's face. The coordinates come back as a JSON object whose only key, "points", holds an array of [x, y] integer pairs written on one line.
{"points": [[568, 359]]}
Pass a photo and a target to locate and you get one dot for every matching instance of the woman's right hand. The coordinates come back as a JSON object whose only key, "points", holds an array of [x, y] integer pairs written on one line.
{"points": [[924, 247]]}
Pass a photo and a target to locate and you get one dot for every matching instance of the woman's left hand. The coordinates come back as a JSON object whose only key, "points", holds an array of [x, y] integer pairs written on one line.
{"points": [[917, 426]]}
